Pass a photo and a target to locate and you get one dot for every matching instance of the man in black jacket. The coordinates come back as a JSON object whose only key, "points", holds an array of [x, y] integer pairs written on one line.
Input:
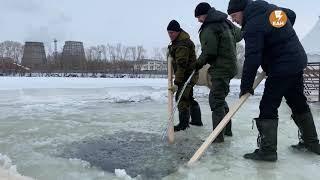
{"points": [[275, 46]]}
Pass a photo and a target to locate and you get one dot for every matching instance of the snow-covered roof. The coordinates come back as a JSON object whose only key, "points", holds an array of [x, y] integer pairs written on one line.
{"points": [[314, 57], [311, 42]]}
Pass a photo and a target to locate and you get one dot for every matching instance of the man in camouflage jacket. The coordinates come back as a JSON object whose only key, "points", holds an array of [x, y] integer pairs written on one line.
{"points": [[182, 51]]}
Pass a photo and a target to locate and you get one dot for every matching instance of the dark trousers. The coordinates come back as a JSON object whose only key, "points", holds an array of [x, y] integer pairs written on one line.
{"points": [[218, 93], [217, 100], [289, 87]]}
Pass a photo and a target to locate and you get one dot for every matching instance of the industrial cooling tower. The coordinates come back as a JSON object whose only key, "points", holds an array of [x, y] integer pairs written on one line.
{"points": [[34, 55], [73, 56]]}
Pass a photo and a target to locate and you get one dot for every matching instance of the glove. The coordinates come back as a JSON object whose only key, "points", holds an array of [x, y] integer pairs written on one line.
{"points": [[173, 88], [243, 92]]}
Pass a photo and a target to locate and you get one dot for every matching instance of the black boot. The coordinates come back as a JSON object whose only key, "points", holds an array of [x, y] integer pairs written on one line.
{"points": [[184, 117], [307, 132], [217, 116], [267, 141], [195, 112], [228, 129]]}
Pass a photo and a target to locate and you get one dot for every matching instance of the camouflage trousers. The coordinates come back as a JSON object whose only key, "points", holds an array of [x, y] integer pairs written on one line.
{"points": [[186, 99]]}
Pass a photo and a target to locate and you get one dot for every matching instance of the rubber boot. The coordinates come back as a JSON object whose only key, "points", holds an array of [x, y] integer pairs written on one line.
{"points": [[217, 116], [228, 129], [184, 117], [267, 141], [308, 136], [195, 112]]}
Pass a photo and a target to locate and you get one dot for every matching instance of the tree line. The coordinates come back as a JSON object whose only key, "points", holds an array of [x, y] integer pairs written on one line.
{"points": [[109, 58]]}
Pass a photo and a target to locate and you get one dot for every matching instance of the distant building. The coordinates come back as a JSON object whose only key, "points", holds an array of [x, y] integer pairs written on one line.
{"points": [[34, 55], [8, 66], [150, 65]]}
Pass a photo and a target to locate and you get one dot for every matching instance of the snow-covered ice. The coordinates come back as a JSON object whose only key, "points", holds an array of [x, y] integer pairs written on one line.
{"points": [[39, 116]]}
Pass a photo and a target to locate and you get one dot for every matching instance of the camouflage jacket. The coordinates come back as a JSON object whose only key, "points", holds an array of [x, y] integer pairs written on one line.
{"points": [[182, 50]]}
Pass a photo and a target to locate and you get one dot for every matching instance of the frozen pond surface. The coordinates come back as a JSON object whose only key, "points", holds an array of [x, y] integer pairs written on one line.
{"points": [[56, 128]]}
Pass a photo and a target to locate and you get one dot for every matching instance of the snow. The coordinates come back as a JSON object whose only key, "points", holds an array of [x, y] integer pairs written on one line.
{"points": [[58, 82], [39, 117], [121, 173], [115, 90]]}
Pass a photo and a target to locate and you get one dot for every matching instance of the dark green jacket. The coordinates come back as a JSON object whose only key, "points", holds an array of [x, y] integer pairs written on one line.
{"points": [[218, 37], [182, 50]]}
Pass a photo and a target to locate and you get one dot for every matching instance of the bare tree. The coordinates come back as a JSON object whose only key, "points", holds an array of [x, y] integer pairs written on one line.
{"points": [[133, 53], [125, 53], [157, 54], [240, 58], [103, 50], [240, 53], [164, 52], [112, 52], [2, 49], [89, 53], [140, 52], [12, 50], [119, 55]]}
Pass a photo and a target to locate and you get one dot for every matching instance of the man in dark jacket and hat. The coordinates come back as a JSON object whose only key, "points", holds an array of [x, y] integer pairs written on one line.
{"points": [[271, 42], [218, 37], [182, 51]]}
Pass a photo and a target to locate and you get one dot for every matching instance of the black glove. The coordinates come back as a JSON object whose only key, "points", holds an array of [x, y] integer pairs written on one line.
{"points": [[243, 92]]}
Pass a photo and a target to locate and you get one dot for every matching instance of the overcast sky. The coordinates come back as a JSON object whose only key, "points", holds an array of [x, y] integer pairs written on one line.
{"points": [[130, 22]]}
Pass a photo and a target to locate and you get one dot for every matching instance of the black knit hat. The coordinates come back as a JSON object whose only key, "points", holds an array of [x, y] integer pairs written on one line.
{"points": [[236, 6], [202, 9], [174, 26]]}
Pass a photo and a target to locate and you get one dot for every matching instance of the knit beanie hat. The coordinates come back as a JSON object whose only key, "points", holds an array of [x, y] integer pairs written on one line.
{"points": [[236, 6], [174, 26], [202, 9]]}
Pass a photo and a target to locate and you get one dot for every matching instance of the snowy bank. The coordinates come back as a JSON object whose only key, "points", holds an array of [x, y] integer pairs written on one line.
{"points": [[122, 90]]}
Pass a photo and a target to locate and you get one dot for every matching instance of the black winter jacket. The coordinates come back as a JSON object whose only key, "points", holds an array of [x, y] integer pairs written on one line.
{"points": [[277, 50]]}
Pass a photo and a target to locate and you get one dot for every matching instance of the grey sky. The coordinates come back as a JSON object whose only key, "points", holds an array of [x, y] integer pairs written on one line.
{"points": [[130, 22]]}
